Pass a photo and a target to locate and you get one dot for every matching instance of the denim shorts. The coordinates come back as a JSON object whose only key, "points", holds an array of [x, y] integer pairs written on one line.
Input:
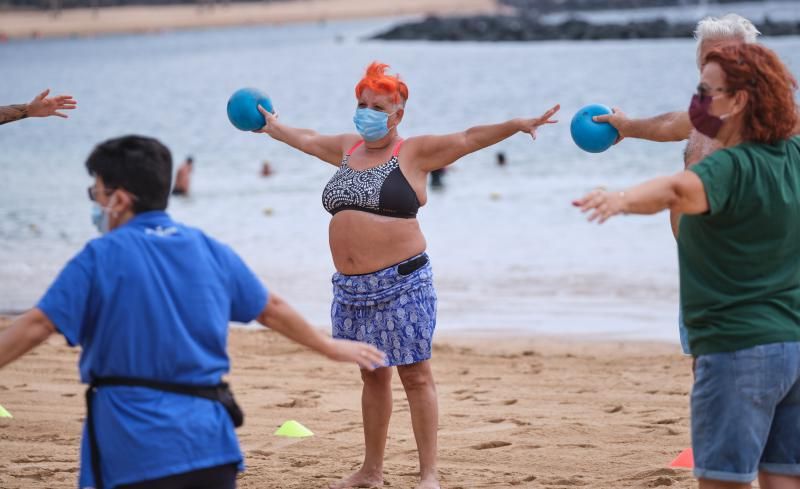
{"points": [[746, 413], [683, 332]]}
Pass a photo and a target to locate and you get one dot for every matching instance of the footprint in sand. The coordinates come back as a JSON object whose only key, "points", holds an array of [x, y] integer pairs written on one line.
{"points": [[572, 481], [260, 453], [661, 481], [490, 444], [35, 473], [304, 463], [515, 421], [298, 403], [491, 428], [32, 459], [653, 473]]}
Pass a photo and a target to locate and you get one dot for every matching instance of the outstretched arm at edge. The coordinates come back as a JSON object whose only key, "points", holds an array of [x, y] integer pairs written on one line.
{"points": [[25, 333]]}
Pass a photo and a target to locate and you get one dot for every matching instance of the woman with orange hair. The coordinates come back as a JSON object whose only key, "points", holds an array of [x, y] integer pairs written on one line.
{"points": [[383, 288], [739, 257]]}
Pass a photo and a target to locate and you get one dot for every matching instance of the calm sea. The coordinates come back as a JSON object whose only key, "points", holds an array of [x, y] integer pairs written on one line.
{"points": [[508, 250]]}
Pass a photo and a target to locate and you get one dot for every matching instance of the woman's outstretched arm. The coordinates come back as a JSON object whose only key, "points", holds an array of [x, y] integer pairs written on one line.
{"points": [[434, 152], [683, 192], [329, 149]]}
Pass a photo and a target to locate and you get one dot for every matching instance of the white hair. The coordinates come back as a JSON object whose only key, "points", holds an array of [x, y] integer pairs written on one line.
{"points": [[730, 27]]}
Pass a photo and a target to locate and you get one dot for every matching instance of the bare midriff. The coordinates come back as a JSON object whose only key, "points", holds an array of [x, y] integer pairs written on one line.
{"points": [[362, 242]]}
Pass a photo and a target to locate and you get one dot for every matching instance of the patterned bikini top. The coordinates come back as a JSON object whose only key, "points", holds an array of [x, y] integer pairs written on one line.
{"points": [[380, 190]]}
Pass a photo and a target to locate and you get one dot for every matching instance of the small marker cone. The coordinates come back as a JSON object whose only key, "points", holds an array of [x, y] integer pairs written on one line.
{"points": [[684, 460], [4, 413], [293, 429]]}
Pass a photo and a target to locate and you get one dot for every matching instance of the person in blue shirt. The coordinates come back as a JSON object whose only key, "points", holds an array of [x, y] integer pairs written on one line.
{"points": [[149, 302]]}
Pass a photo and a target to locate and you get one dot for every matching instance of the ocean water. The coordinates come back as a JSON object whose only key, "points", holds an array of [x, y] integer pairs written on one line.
{"points": [[774, 10], [509, 252]]}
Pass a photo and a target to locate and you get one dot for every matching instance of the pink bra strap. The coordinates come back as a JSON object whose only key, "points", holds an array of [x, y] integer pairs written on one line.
{"points": [[354, 147], [397, 148]]}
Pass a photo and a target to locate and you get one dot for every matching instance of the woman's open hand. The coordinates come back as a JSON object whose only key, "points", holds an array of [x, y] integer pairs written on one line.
{"points": [[602, 203], [530, 125], [42, 106], [366, 356]]}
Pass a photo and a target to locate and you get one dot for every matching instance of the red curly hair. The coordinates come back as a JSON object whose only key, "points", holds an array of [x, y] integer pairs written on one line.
{"points": [[379, 82], [771, 112]]}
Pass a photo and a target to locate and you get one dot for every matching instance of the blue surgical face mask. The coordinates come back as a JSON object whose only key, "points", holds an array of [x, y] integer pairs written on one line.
{"points": [[371, 124], [100, 217]]}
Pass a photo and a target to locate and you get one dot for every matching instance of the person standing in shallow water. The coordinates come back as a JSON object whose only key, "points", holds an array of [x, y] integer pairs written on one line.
{"points": [[437, 179], [383, 289], [183, 177]]}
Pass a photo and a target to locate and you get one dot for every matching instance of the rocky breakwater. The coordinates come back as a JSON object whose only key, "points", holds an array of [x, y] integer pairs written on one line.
{"points": [[522, 28]]}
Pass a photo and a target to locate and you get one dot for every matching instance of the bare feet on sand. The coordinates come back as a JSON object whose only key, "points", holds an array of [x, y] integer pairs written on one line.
{"points": [[429, 483], [361, 478]]}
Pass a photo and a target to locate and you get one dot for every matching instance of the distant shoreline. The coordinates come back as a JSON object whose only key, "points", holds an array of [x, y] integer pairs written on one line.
{"points": [[27, 24]]}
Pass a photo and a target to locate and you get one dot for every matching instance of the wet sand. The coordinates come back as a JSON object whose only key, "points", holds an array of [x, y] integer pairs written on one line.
{"points": [[515, 412], [134, 19]]}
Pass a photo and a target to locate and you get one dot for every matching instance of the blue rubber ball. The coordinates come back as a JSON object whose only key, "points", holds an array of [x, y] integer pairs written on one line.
{"points": [[243, 109], [591, 136]]}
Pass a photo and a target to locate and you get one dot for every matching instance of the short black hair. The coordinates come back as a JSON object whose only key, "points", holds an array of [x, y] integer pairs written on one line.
{"points": [[138, 164]]}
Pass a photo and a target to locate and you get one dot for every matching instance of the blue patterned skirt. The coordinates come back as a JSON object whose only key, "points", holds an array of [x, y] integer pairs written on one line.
{"points": [[393, 312]]}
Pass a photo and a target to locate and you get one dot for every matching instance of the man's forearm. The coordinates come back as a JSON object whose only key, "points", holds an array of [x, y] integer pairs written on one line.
{"points": [[26, 332], [11, 113], [280, 317]]}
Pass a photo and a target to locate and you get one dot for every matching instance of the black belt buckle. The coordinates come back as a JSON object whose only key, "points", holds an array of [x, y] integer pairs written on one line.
{"points": [[411, 266]]}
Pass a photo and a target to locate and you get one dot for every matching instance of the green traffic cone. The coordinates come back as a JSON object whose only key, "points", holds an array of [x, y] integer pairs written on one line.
{"points": [[4, 413], [293, 429]]}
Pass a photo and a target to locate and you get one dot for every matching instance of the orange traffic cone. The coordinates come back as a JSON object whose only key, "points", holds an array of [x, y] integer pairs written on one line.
{"points": [[684, 460]]}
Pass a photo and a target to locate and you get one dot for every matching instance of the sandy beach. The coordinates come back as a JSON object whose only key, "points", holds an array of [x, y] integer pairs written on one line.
{"points": [[515, 412], [87, 22]]}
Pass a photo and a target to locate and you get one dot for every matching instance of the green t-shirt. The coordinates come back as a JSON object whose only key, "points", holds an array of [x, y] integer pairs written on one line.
{"points": [[740, 262]]}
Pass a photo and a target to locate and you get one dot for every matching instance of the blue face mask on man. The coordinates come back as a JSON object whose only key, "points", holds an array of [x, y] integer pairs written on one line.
{"points": [[371, 124], [100, 217]]}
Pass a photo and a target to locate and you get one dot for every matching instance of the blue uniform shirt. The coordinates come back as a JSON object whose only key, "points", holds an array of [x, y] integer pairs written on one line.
{"points": [[153, 299]]}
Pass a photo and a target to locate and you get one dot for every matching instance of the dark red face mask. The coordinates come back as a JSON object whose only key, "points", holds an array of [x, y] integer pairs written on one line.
{"points": [[705, 123]]}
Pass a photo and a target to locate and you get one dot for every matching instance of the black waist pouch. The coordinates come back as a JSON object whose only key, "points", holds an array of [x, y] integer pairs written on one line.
{"points": [[412, 265], [220, 392]]}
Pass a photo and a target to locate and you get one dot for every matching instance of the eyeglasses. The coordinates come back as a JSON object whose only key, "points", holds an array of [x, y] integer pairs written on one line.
{"points": [[703, 90], [92, 191]]}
